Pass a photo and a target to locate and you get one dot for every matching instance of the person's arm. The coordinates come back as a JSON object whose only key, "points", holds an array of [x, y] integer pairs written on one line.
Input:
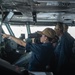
{"points": [[17, 40]]}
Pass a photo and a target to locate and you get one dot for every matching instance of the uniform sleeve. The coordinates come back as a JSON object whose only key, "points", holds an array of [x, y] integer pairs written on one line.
{"points": [[64, 53], [28, 47], [36, 48]]}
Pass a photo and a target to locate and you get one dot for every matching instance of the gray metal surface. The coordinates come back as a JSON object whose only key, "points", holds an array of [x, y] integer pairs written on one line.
{"points": [[46, 11]]}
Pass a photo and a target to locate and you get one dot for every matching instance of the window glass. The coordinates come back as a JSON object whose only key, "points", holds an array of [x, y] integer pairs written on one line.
{"points": [[17, 30], [5, 29], [71, 30], [39, 28]]}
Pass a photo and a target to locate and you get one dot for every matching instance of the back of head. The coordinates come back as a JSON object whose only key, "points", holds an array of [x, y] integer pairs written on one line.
{"points": [[49, 32], [65, 27], [59, 25]]}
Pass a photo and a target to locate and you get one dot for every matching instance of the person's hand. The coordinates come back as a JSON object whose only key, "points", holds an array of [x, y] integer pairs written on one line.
{"points": [[5, 36]]}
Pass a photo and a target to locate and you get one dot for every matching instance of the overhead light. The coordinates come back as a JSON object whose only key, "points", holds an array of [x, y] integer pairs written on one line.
{"points": [[53, 3], [74, 20], [41, 0]]}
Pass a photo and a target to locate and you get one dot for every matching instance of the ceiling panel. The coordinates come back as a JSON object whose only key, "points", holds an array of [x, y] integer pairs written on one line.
{"points": [[44, 11]]}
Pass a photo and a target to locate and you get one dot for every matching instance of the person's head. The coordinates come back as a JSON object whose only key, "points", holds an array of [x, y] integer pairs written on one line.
{"points": [[47, 35], [55, 39], [65, 28], [59, 28]]}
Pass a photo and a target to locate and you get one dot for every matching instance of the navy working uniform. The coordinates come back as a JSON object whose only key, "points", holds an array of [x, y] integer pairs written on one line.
{"points": [[69, 38], [41, 56], [63, 52]]}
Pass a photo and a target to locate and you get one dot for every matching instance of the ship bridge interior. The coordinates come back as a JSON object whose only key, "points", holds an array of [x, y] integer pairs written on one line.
{"points": [[23, 13], [37, 12]]}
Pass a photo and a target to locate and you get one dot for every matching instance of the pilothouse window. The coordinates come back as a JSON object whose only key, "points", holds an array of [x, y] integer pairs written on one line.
{"points": [[18, 30]]}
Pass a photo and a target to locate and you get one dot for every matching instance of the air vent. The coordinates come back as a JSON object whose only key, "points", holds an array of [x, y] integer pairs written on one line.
{"points": [[67, 19], [65, 4]]}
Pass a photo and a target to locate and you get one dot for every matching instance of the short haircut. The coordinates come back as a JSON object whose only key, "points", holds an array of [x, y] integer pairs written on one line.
{"points": [[60, 25], [65, 27]]}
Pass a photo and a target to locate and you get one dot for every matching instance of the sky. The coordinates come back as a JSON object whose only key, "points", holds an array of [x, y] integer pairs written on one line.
{"points": [[22, 29], [71, 30]]}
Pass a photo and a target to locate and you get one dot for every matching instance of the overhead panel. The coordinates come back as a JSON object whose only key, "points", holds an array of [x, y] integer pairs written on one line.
{"points": [[46, 10], [0, 1], [52, 0]]}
